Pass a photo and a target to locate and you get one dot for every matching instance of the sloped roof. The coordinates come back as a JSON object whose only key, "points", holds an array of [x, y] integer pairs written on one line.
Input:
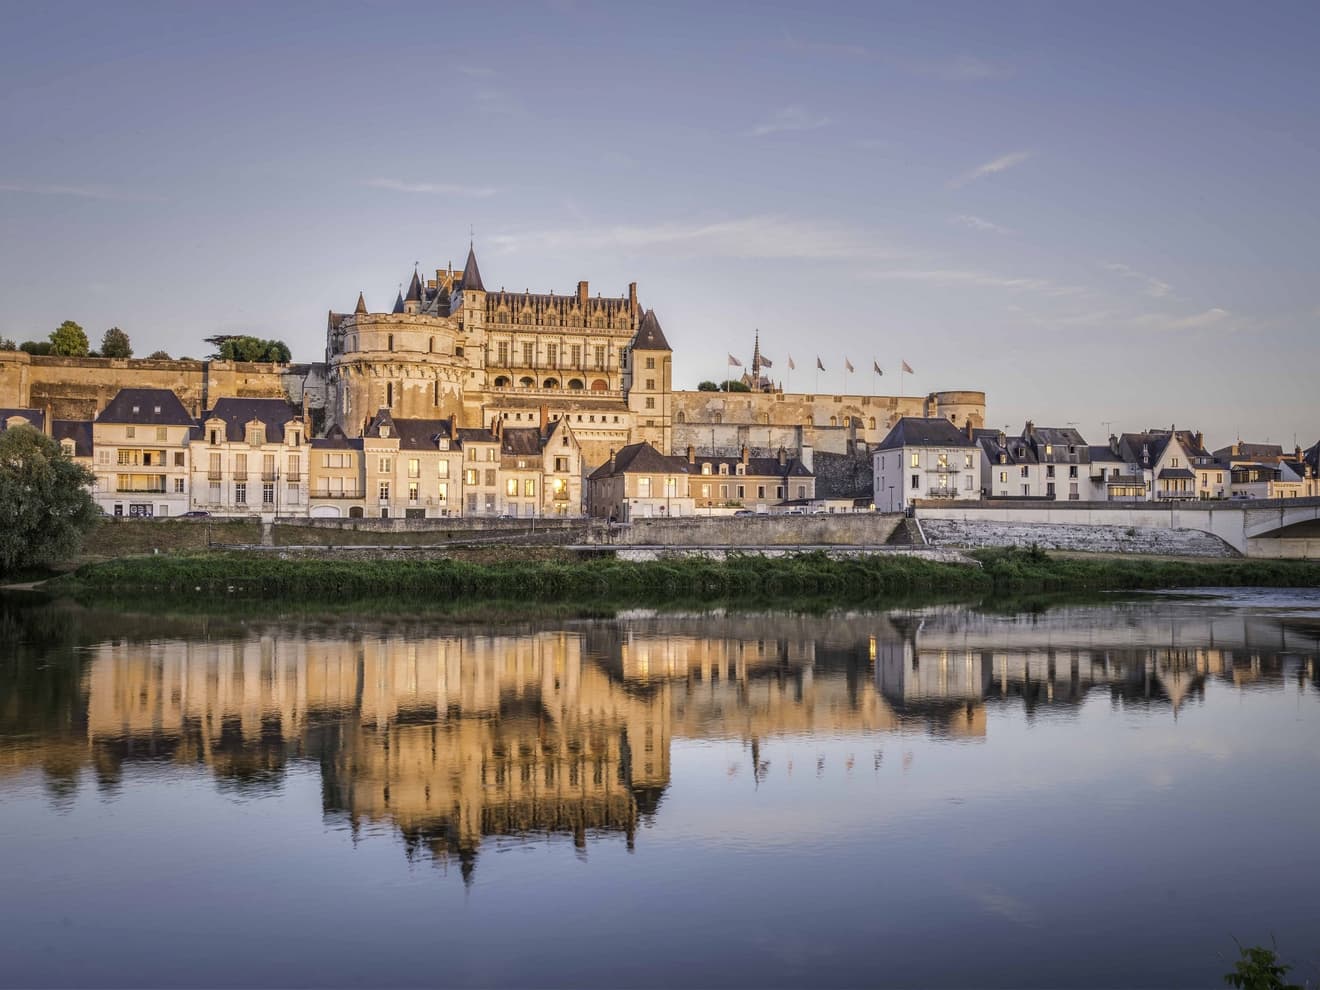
{"points": [[382, 418], [361, 306], [471, 273], [336, 439], [237, 413], [641, 457], [398, 304], [1101, 452], [77, 430], [34, 416], [1176, 473], [649, 335], [917, 431], [1132, 445], [421, 434], [521, 441], [475, 434], [757, 467], [415, 288], [150, 406]]}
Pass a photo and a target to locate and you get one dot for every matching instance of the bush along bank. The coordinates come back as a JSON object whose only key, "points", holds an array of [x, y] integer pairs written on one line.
{"points": [[809, 575]]}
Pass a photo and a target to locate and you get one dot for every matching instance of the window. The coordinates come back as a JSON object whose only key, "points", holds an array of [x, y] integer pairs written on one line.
{"points": [[943, 459], [527, 355], [1025, 471], [561, 463], [503, 359], [442, 468], [384, 491], [705, 468], [1003, 477], [1049, 450], [1173, 461], [1049, 471], [529, 488], [414, 468], [600, 355], [240, 493], [724, 469], [295, 467], [490, 477], [1072, 471], [967, 482], [650, 363], [742, 491], [650, 384], [471, 476], [552, 355], [650, 402], [916, 482], [967, 460], [130, 431], [178, 486], [643, 487], [511, 487], [705, 491], [760, 491], [162, 434], [577, 356], [490, 453], [412, 491], [268, 494], [472, 502], [443, 495], [916, 459]]}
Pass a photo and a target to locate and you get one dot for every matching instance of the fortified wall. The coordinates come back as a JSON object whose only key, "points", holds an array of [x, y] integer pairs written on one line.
{"points": [[79, 388], [766, 421]]}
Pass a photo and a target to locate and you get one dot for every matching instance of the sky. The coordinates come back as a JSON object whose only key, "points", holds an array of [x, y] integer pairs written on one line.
{"points": [[1099, 214]]}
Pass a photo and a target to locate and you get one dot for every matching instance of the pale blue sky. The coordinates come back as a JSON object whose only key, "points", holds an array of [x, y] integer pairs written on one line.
{"points": [[1095, 213]]}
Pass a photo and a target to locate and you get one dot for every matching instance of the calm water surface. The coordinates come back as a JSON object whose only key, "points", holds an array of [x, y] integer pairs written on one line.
{"points": [[1086, 796]]}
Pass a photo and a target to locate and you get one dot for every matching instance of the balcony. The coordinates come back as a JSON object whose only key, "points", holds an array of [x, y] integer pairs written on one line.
{"points": [[942, 493], [354, 494], [270, 476], [946, 469], [240, 476], [215, 475], [293, 477]]}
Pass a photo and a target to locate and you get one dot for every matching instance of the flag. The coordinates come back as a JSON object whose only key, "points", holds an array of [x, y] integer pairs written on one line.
{"points": [[819, 366], [791, 365], [766, 362], [876, 365], [734, 361], [908, 368], [848, 364]]}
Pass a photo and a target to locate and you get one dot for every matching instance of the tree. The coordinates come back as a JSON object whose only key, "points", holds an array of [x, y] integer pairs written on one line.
{"points": [[69, 340], [733, 385], [115, 344], [708, 387], [45, 503], [243, 347], [159, 356], [40, 347]]}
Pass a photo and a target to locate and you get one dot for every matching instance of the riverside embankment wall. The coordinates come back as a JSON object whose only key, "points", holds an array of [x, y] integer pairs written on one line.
{"points": [[861, 529]]}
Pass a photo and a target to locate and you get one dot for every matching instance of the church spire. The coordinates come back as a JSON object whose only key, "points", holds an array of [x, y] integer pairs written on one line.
{"points": [[471, 273], [756, 358], [361, 309]]}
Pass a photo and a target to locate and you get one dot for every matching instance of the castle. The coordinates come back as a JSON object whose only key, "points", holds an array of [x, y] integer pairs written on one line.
{"points": [[453, 349]]}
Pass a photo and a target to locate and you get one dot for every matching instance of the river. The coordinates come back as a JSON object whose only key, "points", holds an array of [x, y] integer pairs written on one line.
{"points": [[1096, 794]]}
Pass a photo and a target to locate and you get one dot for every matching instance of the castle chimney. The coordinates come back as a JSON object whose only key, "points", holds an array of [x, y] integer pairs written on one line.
{"points": [[1200, 440], [745, 452], [545, 418], [1030, 430], [1113, 444], [306, 417], [692, 454], [632, 296], [971, 432], [582, 293]]}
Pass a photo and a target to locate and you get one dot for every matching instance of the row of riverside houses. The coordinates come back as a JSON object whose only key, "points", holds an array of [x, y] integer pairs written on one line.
{"points": [[257, 456], [932, 458]]}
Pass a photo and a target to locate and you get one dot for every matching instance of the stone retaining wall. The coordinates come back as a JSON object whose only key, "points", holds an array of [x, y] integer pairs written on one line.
{"points": [[1075, 537], [863, 529]]}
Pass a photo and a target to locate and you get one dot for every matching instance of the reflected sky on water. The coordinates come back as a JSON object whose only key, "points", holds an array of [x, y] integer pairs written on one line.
{"points": [[1086, 795]]}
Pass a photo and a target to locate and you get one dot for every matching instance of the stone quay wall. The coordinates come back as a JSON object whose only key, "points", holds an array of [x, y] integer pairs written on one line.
{"points": [[863, 529]]}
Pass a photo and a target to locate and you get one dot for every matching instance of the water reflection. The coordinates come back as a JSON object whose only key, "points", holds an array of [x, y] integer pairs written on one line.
{"points": [[452, 736]]}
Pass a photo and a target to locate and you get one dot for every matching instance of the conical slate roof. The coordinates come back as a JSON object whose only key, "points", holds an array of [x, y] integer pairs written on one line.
{"points": [[649, 335], [415, 289], [361, 305], [471, 273], [398, 303]]}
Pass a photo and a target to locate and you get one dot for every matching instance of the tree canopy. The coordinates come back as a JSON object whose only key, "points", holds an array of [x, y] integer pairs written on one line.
{"points": [[35, 347], [241, 347], [45, 503], [69, 340], [707, 387], [115, 344], [733, 385], [7, 344], [159, 356]]}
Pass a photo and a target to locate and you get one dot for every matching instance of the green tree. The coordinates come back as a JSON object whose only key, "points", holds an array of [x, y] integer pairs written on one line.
{"points": [[159, 356], [733, 385], [45, 503], [115, 344], [35, 347], [69, 340], [244, 347], [1259, 968], [6, 344], [708, 387]]}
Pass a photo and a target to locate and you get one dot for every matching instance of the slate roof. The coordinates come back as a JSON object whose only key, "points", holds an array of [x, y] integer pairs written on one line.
{"points": [[1250, 451], [1015, 449], [757, 467], [649, 335], [237, 413], [471, 273], [336, 439], [915, 431], [638, 458], [415, 288], [34, 416], [1131, 445], [422, 434], [398, 303], [361, 306], [77, 430], [521, 441], [1177, 473], [150, 406], [1102, 452], [475, 434]]}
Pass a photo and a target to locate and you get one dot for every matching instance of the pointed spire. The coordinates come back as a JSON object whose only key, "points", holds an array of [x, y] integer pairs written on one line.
{"points": [[756, 357], [649, 335], [471, 273], [361, 309], [415, 288], [398, 302]]}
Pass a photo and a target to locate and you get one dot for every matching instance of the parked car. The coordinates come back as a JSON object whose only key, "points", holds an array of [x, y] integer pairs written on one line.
{"points": [[197, 514], [743, 512]]}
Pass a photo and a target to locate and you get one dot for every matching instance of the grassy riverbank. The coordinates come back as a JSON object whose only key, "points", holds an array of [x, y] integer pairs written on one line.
{"points": [[812, 575]]}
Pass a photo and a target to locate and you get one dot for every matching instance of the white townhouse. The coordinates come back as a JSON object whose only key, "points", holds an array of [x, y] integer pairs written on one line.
{"points": [[925, 458], [142, 459], [250, 457]]}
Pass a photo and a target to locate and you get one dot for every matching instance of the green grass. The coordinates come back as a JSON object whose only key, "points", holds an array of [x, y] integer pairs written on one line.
{"points": [[807, 576]]}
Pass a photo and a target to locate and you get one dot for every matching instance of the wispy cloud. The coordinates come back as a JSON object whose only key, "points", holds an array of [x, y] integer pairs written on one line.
{"points": [[78, 192], [745, 237], [1000, 164], [1168, 322], [792, 118], [988, 280], [958, 68], [1155, 287], [977, 223], [431, 188]]}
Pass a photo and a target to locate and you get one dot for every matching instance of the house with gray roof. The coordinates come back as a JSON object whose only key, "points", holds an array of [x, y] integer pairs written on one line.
{"points": [[250, 457], [926, 458], [640, 482], [143, 466]]}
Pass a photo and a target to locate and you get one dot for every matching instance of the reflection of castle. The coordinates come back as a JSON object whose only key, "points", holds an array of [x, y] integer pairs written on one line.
{"points": [[456, 738]]}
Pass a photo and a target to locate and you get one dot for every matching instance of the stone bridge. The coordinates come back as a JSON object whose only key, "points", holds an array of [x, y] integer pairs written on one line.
{"points": [[1287, 527]]}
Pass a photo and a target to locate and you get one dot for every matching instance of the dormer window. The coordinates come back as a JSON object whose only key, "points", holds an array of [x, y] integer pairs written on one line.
{"points": [[384, 431], [157, 410], [66, 448], [705, 468], [136, 410], [724, 469], [443, 443]]}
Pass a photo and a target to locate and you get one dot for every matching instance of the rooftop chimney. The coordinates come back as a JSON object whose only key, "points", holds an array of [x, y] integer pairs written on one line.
{"points": [[545, 418], [783, 457], [1113, 444], [632, 296], [1030, 430], [692, 454], [970, 429], [744, 455], [582, 293]]}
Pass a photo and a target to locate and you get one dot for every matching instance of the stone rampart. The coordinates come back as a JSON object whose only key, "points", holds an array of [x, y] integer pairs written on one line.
{"points": [[863, 529], [1075, 537]]}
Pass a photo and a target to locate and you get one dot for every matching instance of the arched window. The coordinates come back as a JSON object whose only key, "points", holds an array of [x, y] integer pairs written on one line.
{"points": [[600, 385], [834, 421], [872, 421], [575, 384], [527, 382], [550, 383], [389, 394], [355, 512], [501, 382], [681, 417]]}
